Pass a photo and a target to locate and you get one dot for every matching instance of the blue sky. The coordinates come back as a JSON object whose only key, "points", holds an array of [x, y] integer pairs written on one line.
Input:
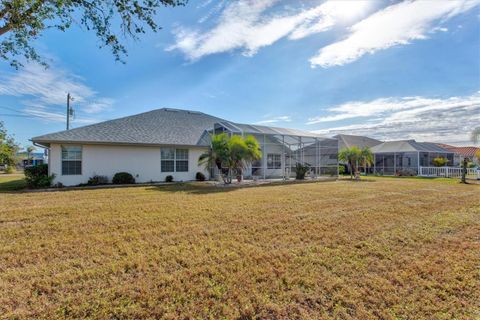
{"points": [[386, 69]]}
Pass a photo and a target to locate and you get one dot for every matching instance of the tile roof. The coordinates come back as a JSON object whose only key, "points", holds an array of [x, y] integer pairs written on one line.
{"points": [[463, 151]]}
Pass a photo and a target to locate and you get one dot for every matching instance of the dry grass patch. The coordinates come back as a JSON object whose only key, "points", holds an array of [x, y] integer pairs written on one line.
{"points": [[390, 248]]}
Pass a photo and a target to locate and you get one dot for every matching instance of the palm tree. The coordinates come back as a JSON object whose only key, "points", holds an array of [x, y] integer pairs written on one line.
{"points": [[366, 158], [476, 135], [233, 153], [30, 149], [351, 156]]}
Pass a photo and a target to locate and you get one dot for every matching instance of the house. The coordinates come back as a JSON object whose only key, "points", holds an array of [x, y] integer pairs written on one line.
{"points": [[348, 141], [34, 159], [407, 156], [462, 153], [166, 141]]}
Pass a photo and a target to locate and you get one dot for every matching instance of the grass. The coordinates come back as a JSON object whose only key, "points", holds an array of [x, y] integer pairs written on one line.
{"points": [[11, 182], [381, 248]]}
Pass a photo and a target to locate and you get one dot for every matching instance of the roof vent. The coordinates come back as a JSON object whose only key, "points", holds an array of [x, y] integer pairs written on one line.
{"points": [[194, 112], [171, 110]]}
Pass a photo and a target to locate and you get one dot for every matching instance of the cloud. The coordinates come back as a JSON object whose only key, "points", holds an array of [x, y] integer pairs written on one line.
{"points": [[275, 120], [424, 119], [395, 25], [247, 25], [44, 93]]}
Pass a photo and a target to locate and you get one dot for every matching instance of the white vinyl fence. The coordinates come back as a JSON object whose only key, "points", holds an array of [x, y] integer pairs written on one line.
{"points": [[447, 172]]}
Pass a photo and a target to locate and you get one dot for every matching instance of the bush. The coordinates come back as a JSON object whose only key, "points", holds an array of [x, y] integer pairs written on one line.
{"points": [[439, 162], [341, 169], [406, 173], [200, 176], [300, 171], [169, 178], [123, 178], [9, 169], [97, 180], [37, 176]]}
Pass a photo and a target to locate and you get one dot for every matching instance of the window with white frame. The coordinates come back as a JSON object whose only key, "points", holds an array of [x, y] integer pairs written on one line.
{"points": [[71, 160], [174, 160], [181, 160], [274, 161]]}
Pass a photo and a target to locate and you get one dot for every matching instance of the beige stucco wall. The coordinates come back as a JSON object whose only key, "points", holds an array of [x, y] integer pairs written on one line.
{"points": [[106, 160]]}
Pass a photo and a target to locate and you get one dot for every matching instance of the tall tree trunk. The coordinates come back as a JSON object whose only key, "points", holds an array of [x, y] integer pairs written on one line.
{"points": [[464, 170]]}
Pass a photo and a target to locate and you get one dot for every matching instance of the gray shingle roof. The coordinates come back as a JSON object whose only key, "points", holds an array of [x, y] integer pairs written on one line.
{"points": [[159, 127], [348, 141], [408, 146]]}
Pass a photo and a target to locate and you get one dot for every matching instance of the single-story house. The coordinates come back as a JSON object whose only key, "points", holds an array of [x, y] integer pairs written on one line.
{"points": [[348, 141], [158, 143], [397, 157], [462, 153]]}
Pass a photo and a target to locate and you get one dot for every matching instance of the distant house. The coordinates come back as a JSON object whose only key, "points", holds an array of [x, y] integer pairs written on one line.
{"points": [[462, 153], [36, 158], [394, 157], [163, 142], [348, 141]]}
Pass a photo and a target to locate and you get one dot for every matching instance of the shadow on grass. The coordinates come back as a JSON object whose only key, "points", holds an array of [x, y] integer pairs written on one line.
{"points": [[12, 185]]}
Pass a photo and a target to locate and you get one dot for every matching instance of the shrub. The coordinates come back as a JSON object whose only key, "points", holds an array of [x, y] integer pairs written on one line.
{"points": [[97, 180], [9, 169], [169, 178], [406, 173], [300, 171], [341, 169], [200, 176], [439, 162], [37, 176], [123, 178]]}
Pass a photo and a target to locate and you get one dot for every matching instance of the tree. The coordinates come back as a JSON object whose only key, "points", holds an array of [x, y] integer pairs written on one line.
{"points": [[30, 149], [476, 135], [23, 21], [230, 154], [439, 162], [8, 148], [351, 156], [366, 158]]}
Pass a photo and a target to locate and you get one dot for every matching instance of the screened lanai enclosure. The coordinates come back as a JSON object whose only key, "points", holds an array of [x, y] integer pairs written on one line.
{"points": [[407, 157], [283, 148]]}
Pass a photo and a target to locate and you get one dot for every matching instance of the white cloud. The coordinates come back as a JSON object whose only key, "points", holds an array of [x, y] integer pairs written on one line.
{"points": [[246, 25], [395, 25], [275, 120], [44, 93], [424, 119]]}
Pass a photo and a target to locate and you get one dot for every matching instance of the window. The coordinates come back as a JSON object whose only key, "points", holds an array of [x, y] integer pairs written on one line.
{"points": [[274, 161], [174, 160], [71, 160], [181, 162], [167, 159]]}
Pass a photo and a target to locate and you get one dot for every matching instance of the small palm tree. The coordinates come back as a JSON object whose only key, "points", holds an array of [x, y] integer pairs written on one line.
{"points": [[216, 155], [351, 156], [366, 158]]}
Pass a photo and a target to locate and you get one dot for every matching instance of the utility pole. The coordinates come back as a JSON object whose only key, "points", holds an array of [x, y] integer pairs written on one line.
{"points": [[69, 110]]}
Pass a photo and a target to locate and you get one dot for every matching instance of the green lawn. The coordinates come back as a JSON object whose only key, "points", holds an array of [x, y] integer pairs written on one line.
{"points": [[11, 182], [377, 249]]}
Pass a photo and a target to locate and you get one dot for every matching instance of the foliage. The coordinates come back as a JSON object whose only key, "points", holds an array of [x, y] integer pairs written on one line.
{"points": [[23, 21], [231, 154], [200, 176], [477, 155], [351, 156], [301, 170], [169, 178], [37, 176], [386, 249], [440, 162], [366, 157], [8, 148], [406, 173], [341, 169], [97, 180], [9, 169], [123, 178]]}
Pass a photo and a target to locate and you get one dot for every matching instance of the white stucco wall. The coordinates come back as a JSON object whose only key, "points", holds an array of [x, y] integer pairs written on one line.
{"points": [[106, 160]]}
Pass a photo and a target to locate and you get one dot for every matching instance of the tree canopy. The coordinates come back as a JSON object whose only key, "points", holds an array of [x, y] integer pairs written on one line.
{"points": [[8, 147], [22, 21]]}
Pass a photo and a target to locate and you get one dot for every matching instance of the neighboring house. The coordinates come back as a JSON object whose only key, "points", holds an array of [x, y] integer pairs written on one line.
{"points": [[163, 142], [348, 141], [397, 157], [462, 153], [36, 158]]}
